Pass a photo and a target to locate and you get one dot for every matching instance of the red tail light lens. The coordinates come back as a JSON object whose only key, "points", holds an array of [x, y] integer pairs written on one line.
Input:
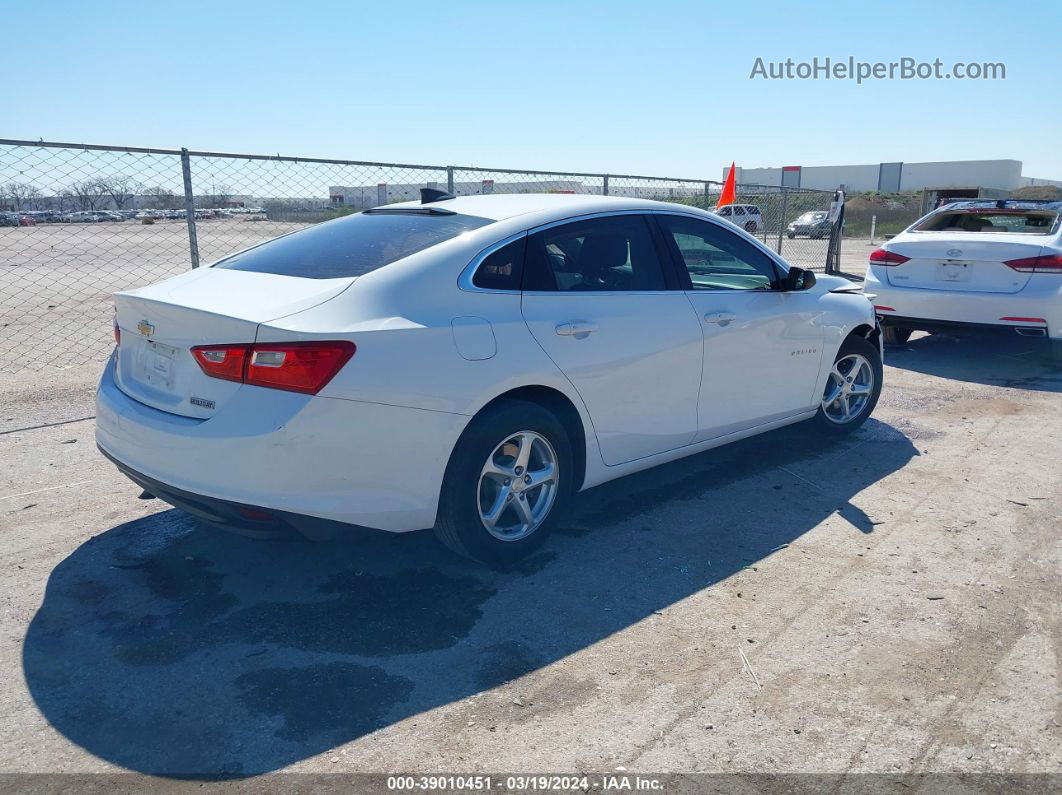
{"points": [[222, 361], [293, 366], [297, 366], [880, 256], [117, 333], [1045, 263]]}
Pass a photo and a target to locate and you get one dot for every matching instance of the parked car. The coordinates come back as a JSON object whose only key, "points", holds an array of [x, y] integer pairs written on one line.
{"points": [[981, 264], [812, 224], [469, 363], [9, 219], [747, 216]]}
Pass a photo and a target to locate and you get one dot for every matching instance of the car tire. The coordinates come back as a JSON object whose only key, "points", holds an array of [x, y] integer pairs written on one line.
{"points": [[1056, 351], [840, 416], [469, 491], [750, 227], [790, 235], [895, 335]]}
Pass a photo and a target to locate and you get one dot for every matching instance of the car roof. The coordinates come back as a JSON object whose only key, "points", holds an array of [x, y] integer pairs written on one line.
{"points": [[499, 207]]}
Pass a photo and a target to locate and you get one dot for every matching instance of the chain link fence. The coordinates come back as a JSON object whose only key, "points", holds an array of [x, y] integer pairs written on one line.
{"points": [[81, 222]]}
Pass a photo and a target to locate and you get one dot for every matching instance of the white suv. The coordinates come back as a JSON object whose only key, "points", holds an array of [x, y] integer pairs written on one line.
{"points": [[990, 264], [746, 216]]}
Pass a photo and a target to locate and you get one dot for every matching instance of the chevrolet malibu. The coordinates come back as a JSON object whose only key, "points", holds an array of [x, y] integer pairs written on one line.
{"points": [[469, 363]]}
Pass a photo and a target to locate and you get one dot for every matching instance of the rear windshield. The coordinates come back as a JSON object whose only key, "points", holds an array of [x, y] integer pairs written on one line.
{"points": [[1022, 222], [352, 246]]}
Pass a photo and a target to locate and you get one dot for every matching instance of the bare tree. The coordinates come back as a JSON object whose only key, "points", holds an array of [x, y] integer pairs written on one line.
{"points": [[120, 188], [218, 197], [88, 193], [161, 198], [22, 195]]}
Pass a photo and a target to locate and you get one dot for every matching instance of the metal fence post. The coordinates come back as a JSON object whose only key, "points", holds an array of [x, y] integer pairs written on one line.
{"points": [[189, 207], [604, 185], [450, 180], [781, 220], [707, 186]]}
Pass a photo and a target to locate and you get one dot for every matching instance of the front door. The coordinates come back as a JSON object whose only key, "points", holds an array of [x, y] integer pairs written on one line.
{"points": [[596, 300], [762, 346]]}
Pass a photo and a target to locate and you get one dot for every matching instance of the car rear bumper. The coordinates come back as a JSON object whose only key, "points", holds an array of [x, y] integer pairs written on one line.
{"points": [[287, 455], [1035, 311]]}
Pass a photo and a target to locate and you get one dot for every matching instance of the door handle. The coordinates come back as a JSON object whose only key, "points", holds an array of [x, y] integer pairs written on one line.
{"points": [[720, 318], [576, 328]]}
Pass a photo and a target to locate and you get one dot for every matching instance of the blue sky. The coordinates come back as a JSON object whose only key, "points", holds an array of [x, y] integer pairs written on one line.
{"points": [[626, 87]]}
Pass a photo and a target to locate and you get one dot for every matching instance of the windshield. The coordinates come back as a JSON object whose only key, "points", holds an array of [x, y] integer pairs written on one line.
{"points": [[810, 217], [354, 245], [1021, 222]]}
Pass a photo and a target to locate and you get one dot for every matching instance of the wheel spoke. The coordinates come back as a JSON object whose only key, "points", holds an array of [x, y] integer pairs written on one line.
{"points": [[523, 510], [498, 472], [492, 516], [539, 477], [833, 395], [858, 390], [846, 407], [524, 454]]}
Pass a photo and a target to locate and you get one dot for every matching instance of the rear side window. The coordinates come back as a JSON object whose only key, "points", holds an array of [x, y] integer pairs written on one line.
{"points": [[502, 269], [603, 254], [354, 245]]}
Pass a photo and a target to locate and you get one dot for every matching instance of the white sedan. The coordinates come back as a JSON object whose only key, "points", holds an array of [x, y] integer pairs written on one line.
{"points": [[469, 363], [982, 264]]}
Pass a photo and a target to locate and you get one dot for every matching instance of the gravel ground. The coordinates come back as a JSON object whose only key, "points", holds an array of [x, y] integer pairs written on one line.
{"points": [[888, 603]]}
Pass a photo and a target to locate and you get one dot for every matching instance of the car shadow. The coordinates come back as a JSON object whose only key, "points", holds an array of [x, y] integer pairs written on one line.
{"points": [[173, 649], [981, 357]]}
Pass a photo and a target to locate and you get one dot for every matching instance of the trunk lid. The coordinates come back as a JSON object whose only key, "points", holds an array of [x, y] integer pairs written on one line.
{"points": [[160, 324], [946, 262]]}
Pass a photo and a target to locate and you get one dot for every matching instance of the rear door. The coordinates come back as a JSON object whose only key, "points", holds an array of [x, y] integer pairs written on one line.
{"points": [[943, 261], [596, 299]]}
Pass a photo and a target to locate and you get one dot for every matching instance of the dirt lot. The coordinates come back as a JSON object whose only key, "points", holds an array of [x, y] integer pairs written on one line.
{"points": [[888, 603]]}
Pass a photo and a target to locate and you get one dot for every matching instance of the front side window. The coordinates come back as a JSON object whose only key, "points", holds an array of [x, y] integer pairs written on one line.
{"points": [[717, 259], [354, 245], [610, 254]]}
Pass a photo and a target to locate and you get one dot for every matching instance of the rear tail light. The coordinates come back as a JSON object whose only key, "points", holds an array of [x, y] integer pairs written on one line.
{"points": [[223, 361], [293, 366], [1045, 263], [881, 308], [880, 256], [117, 332]]}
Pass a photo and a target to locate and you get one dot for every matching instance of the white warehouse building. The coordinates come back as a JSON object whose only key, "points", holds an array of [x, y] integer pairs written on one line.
{"points": [[1004, 175]]}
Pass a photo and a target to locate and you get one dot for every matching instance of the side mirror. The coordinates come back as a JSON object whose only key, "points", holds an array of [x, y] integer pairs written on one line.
{"points": [[799, 279]]}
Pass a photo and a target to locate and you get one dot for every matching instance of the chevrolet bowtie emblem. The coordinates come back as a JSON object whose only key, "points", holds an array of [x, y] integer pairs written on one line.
{"points": [[145, 328]]}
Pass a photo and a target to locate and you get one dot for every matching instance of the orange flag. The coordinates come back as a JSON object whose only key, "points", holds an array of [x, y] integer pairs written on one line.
{"points": [[727, 196]]}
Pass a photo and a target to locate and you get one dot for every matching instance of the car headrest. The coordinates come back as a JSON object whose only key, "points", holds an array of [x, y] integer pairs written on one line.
{"points": [[602, 251]]}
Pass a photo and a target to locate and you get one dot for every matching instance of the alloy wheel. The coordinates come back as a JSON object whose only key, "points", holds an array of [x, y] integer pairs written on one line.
{"points": [[517, 486], [848, 389]]}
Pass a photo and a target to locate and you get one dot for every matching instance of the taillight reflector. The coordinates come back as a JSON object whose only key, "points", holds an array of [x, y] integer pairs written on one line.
{"points": [[1045, 263], [881, 308], [880, 256], [117, 333], [293, 366], [1024, 319]]}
